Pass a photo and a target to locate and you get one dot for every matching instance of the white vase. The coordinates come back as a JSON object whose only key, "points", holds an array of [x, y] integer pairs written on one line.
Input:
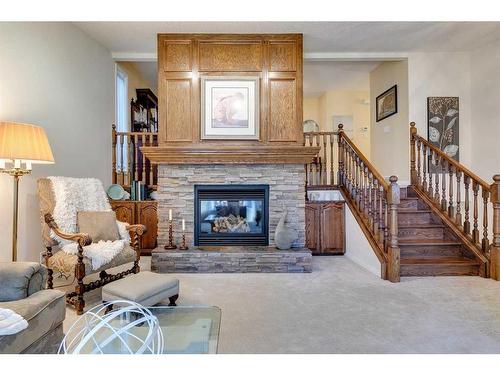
{"points": [[284, 235]]}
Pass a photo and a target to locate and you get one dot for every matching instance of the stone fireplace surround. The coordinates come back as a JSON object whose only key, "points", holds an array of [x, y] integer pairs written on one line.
{"points": [[176, 191]]}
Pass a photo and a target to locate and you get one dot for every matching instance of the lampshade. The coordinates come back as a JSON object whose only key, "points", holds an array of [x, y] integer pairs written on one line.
{"points": [[24, 142]]}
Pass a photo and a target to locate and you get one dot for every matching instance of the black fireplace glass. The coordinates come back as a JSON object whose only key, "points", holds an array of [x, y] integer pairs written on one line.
{"points": [[231, 214]]}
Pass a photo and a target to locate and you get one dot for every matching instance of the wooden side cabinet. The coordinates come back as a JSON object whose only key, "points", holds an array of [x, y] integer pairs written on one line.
{"points": [[140, 212], [325, 227]]}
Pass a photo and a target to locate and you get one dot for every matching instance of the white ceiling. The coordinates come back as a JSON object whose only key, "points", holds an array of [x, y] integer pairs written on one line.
{"points": [[140, 37], [358, 38], [337, 75]]}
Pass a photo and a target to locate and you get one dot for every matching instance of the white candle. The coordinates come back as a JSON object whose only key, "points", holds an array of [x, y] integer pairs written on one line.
{"points": [[170, 215], [183, 224]]}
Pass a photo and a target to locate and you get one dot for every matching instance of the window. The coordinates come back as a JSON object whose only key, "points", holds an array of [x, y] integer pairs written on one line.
{"points": [[121, 119]]}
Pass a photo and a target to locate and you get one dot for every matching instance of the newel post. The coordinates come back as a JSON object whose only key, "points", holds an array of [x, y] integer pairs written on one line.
{"points": [[393, 252], [340, 174], [495, 245], [413, 169], [113, 154]]}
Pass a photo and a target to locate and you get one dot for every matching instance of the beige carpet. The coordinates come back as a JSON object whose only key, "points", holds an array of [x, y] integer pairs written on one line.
{"points": [[341, 308]]}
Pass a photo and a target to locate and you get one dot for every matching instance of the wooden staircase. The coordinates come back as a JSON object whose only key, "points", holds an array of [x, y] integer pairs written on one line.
{"points": [[427, 246], [446, 223]]}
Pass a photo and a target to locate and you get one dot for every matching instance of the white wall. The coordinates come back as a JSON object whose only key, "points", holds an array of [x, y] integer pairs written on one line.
{"points": [[485, 112], [358, 248], [54, 75], [441, 74], [389, 140]]}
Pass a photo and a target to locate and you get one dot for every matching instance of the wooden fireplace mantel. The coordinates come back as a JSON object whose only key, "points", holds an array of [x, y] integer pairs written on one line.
{"points": [[225, 154]]}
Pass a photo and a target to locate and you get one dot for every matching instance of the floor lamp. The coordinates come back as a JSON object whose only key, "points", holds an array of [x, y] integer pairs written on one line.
{"points": [[21, 145]]}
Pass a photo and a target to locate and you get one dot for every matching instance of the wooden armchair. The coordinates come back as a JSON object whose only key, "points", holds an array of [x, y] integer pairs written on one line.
{"points": [[78, 264]]}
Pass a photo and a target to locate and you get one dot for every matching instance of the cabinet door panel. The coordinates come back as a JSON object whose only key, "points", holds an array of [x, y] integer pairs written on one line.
{"points": [[147, 215], [313, 227], [125, 211], [332, 228]]}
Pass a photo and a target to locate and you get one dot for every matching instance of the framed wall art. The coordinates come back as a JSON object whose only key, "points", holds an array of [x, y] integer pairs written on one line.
{"points": [[229, 107], [443, 124], [387, 103]]}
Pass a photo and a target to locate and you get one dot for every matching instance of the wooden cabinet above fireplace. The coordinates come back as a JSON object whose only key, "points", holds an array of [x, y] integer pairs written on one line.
{"points": [[274, 59]]}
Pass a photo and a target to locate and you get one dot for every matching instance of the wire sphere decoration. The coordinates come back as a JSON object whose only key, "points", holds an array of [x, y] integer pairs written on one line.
{"points": [[129, 329]]}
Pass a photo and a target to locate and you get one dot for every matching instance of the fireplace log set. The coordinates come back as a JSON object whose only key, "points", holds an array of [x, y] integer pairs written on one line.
{"points": [[231, 224]]}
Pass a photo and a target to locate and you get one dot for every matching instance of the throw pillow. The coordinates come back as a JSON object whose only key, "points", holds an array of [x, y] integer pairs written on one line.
{"points": [[100, 225]]}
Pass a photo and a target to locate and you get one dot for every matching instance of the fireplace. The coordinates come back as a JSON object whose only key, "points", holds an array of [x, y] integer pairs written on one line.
{"points": [[231, 215]]}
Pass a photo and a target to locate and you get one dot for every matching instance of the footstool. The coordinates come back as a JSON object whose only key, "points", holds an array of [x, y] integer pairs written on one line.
{"points": [[146, 288]]}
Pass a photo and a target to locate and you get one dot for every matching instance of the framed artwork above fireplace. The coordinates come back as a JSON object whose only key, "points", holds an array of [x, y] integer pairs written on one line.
{"points": [[230, 107]]}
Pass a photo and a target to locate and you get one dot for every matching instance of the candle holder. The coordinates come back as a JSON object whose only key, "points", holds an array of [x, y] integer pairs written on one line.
{"points": [[170, 245], [183, 245]]}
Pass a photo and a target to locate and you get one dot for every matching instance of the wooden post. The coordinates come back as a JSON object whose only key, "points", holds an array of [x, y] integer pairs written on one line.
{"points": [[495, 245], [413, 170], [113, 153], [393, 252], [340, 178]]}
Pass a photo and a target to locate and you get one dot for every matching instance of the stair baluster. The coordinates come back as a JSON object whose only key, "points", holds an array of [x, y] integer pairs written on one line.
{"points": [[485, 241], [444, 165], [436, 178], [419, 175], [475, 231], [332, 179], [451, 209], [375, 213], [381, 225], [425, 161], [370, 199], [325, 161], [429, 163], [458, 214], [466, 207]]}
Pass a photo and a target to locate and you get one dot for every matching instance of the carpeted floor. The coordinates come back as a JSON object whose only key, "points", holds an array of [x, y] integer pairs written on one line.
{"points": [[342, 308]]}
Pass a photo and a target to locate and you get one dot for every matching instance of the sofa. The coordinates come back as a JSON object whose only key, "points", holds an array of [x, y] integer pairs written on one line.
{"points": [[22, 289]]}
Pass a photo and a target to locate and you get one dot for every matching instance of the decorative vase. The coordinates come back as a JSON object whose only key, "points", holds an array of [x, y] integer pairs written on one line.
{"points": [[284, 236]]}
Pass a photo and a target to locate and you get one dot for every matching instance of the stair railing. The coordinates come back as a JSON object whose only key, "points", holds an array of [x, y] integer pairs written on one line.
{"points": [[128, 162], [322, 172], [374, 203], [461, 197]]}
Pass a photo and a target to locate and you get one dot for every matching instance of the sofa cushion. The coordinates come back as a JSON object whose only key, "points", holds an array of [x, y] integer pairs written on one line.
{"points": [[64, 263], [100, 225], [18, 280], [44, 310]]}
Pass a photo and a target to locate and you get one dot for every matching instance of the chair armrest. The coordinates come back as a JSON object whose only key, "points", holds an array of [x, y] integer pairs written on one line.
{"points": [[19, 280], [139, 229], [83, 239]]}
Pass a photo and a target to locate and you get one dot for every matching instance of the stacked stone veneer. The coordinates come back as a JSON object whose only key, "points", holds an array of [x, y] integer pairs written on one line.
{"points": [[176, 191]]}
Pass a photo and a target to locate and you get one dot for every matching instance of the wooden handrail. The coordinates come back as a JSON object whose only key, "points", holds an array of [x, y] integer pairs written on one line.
{"points": [[365, 161], [453, 162], [306, 134], [373, 201]]}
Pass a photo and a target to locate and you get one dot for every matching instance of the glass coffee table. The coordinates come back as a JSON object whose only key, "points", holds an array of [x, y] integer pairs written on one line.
{"points": [[189, 330], [186, 330]]}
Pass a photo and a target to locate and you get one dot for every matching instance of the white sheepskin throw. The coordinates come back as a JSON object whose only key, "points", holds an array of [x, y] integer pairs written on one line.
{"points": [[100, 253], [11, 323], [84, 194]]}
